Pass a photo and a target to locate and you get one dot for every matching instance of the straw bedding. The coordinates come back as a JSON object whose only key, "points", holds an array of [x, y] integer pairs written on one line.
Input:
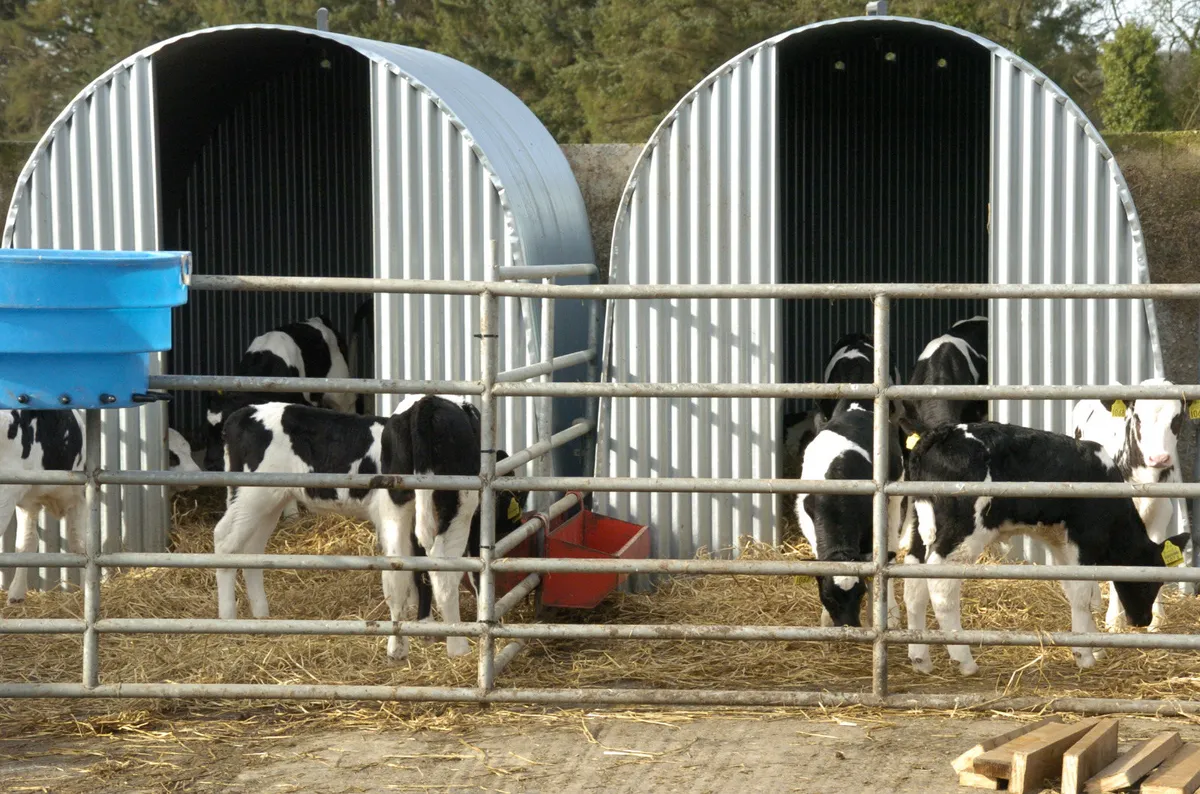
{"points": [[748, 600]]}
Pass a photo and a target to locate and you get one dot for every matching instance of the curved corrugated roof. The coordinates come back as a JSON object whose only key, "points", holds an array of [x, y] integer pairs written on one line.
{"points": [[536, 184], [1016, 60]]}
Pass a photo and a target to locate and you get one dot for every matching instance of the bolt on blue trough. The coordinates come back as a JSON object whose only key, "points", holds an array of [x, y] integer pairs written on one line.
{"points": [[77, 327]]}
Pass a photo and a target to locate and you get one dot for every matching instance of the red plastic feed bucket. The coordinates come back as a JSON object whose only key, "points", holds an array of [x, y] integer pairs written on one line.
{"points": [[587, 535]]}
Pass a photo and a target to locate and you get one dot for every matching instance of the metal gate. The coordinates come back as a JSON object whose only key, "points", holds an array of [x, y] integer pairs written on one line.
{"points": [[536, 382]]}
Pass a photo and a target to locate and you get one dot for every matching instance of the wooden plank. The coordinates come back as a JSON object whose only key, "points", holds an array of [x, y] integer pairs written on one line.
{"points": [[965, 762], [1135, 764], [998, 761], [1032, 765], [981, 781], [1090, 754], [1179, 774]]}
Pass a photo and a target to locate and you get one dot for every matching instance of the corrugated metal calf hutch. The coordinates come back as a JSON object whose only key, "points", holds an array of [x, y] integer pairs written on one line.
{"points": [[874, 149], [287, 151]]}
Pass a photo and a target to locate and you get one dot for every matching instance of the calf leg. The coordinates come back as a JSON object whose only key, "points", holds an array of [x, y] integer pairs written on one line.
{"points": [[916, 603], [1114, 619], [1079, 596], [452, 543], [395, 540], [251, 512], [1160, 613], [946, 595], [256, 593], [27, 543]]}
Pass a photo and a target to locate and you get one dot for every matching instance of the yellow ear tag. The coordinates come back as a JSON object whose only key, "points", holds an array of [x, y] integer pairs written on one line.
{"points": [[912, 440], [514, 510], [220, 392], [1194, 409], [1118, 408], [1171, 554]]}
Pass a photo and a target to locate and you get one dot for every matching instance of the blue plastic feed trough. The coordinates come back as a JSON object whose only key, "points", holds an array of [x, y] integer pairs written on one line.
{"points": [[77, 327]]}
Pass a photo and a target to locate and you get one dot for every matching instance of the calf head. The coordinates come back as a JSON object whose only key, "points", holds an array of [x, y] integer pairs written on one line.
{"points": [[1152, 428], [1138, 597], [842, 595]]}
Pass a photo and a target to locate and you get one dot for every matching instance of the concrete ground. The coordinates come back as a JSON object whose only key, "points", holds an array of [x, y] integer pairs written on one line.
{"points": [[562, 754]]}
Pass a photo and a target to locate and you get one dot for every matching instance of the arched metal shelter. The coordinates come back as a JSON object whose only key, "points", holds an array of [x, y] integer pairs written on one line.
{"points": [[288, 151], [872, 149]]}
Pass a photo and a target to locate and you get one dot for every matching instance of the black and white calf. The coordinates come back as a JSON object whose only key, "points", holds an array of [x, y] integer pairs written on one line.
{"points": [[850, 362], [956, 358], [839, 527], [429, 435], [180, 457], [1144, 443], [309, 349], [1077, 531], [36, 441], [510, 507]]}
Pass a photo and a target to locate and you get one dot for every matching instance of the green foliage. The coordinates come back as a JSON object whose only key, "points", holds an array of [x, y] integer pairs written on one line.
{"points": [[648, 53], [1133, 99], [593, 70], [1053, 35]]}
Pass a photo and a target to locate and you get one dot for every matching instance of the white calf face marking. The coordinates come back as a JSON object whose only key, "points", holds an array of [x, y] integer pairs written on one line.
{"points": [[214, 418], [1156, 426], [845, 582]]}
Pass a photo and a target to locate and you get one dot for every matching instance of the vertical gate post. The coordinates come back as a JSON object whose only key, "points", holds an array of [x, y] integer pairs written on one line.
{"points": [[91, 576], [880, 451], [489, 360], [545, 420]]}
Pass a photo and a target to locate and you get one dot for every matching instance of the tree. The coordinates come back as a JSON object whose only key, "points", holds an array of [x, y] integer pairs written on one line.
{"points": [[1059, 37], [648, 53], [1133, 99]]}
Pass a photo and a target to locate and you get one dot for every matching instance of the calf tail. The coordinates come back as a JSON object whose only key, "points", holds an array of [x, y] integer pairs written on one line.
{"points": [[426, 519]]}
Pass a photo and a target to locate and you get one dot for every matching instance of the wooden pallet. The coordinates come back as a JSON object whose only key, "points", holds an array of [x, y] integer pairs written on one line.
{"points": [[1085, 755]]}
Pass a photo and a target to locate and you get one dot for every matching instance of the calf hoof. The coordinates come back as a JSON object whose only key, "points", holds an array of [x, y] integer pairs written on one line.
{"points": [[457, 646], [968, 668], [1086, 660], [397, 649], [921, 664]]}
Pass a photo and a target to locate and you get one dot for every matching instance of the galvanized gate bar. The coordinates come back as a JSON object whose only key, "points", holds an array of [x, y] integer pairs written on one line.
{"points": [[258, 383], [565, 361], [515, 384], [487, 629], [539, 521], [282, 562], [538, 450], [273, 626], [848, 291], [603, 697], [512, 272]]}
